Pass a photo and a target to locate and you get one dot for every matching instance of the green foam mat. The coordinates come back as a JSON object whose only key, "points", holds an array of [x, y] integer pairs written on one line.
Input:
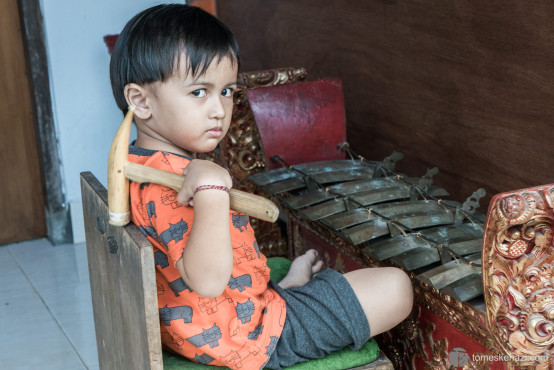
{"points": [[345, 358]]}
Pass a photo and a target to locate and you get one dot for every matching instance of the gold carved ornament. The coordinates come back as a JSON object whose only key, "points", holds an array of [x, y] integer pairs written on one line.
{"points": [[518, 276]]}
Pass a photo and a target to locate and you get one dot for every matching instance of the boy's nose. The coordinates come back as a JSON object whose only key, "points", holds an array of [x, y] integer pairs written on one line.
{"points": [[217, 109]]}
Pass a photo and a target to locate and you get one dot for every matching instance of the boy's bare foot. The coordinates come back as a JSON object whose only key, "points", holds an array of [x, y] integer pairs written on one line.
{"points": [[301, 270]]}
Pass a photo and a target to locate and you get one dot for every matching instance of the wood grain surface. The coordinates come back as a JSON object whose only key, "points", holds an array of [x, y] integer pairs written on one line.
{"points": [[123, 286], [464, 86], [21, 201]]}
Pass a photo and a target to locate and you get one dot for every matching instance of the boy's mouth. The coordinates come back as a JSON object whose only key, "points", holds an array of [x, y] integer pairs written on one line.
{"points": [[215, 132]]}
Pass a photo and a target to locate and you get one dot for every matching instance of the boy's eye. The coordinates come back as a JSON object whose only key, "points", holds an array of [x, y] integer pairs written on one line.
{"points": [[228, 92], [200, 93]]}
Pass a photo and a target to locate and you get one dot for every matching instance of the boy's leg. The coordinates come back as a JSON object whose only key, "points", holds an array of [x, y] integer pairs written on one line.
{"points": [[386, 296]]}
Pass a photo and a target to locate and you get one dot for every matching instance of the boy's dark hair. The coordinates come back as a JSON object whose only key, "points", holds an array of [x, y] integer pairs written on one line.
{"points": [[151, 44]]}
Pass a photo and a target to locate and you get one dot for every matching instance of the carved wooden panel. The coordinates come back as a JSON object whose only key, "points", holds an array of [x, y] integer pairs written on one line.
{"points": [[518, 270]]}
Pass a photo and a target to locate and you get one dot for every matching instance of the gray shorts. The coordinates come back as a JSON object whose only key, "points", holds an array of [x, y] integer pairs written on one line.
{"points": [[323, 316]]}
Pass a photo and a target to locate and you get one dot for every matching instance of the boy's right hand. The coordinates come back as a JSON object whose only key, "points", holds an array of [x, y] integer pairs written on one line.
{"points": [[202, 172]]}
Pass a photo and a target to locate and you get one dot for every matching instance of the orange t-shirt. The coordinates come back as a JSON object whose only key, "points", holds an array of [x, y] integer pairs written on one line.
{"points": [[238, 329]]}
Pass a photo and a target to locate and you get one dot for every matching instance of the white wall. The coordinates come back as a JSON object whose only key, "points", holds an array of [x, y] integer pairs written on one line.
{"points": [[85, 114]]}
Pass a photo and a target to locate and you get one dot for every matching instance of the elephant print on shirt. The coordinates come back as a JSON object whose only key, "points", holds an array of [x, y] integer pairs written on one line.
{"points": [[253, 335], [168, 314], [208, 336], [240, 282], [240, 221], [160, 258], [204, 359], [174, 233], [179, 285]]}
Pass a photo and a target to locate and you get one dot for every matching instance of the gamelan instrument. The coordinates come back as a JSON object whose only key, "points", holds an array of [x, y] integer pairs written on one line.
{"points": [[482, 285]]}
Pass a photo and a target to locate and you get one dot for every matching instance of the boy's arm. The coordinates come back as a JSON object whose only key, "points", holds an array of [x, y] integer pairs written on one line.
{"points": [[207, 260]]}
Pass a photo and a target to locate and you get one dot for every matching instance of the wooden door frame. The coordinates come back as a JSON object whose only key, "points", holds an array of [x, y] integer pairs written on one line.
{"points": [[56, 208]]}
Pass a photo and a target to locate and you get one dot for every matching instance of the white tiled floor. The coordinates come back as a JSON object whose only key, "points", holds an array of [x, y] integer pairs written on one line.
{"points": [[46, 319]]}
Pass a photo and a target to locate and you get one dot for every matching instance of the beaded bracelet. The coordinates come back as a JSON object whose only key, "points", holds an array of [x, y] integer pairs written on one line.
{"points": [[209, 187]]}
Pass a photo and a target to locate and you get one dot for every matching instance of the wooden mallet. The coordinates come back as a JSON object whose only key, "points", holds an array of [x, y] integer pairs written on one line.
{"points": [[120, 170]]}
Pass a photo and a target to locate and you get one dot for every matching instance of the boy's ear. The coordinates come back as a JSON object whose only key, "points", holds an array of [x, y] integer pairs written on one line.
{"points": [[136, 95]]}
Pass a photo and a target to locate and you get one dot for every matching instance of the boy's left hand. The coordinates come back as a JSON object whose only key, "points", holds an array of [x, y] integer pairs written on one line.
{"points": [[201, 172]]}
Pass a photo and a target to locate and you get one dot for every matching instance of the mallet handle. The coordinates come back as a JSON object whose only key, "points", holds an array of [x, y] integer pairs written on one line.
{"points": [[243, 202], [118, 186]]}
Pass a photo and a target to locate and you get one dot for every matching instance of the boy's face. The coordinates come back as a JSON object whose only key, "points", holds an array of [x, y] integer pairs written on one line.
{"points": [[190, 114]]}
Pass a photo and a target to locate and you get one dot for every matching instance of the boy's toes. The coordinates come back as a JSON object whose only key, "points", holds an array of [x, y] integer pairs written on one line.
{"points": [[311, 255], [317, 267]]}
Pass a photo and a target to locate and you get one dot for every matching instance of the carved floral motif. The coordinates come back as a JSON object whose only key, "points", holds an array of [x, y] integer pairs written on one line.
{"points": [[438, 350], [518, 265], [443, 358], [404, 342]]}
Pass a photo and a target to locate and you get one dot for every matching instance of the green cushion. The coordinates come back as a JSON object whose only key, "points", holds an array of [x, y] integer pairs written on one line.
{"points": [[279, 267], [176, 362], [343, 359]]}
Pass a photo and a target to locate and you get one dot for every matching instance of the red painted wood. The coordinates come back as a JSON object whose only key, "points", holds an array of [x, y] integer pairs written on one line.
{"points": [[459, 347], [301, 122], [110, 41]]}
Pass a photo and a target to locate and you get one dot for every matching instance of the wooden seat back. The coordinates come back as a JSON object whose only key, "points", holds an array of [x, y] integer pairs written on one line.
{"points": [[123, 286]]}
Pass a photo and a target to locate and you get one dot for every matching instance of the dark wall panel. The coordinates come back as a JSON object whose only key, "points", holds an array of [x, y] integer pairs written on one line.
{"points": [[464, 86]]}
